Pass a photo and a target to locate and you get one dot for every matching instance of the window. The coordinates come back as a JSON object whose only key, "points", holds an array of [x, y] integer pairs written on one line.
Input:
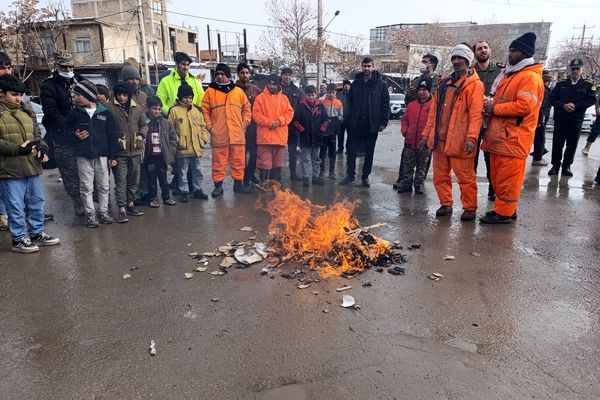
{"points": [[191, 37], [46, 48], [83, 45], [158, 31], [157, 6]]}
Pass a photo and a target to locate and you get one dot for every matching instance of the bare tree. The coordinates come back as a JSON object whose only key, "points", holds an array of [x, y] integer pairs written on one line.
{"points": [[28, 31], [589, 51], [346, 59], [291, 38]]}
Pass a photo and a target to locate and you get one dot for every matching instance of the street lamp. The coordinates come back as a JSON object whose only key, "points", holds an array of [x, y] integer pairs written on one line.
{"points": [[320, 31]]}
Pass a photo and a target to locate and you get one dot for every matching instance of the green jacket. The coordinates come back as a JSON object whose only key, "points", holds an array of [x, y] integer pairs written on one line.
{"points": [[16, 127], [131, 128], [488, 76], [168, 86]]}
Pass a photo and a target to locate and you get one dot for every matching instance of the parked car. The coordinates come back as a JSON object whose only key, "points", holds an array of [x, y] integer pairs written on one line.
{"points": [[588, 119], [39, 114], [397, 106]]}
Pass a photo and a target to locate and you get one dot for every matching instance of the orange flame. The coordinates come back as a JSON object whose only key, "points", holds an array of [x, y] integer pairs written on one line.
{"points": [[327, 239]]}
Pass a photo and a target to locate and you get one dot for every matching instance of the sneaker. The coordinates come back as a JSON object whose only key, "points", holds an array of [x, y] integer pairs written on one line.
{"points": [[365, 182], [553, 171], [170, 202], [105, 219], [539, 163], [566, 171], [443, 211], [332, 176], [305, 182], [24, 246], [347, 181], [154, 204], [122, 217], [91, 221], [495, 218], [3, 222], [468, 215], [185, 197], [513, 217], [586, 150], [199, 194], [48, 217], [43, 239], [131, 210]]}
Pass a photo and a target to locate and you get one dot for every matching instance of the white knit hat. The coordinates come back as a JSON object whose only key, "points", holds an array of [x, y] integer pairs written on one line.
{"points": [[463, 51]]}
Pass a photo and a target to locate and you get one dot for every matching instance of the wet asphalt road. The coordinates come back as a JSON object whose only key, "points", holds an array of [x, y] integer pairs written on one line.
{"points": [[519, 322]]}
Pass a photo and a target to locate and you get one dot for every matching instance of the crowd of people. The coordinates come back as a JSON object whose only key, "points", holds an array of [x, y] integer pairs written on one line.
{"points": [[139, 135]]}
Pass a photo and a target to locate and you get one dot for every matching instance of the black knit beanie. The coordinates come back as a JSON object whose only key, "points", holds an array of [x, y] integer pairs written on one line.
{"points": [[525, 43], [224, 69]]}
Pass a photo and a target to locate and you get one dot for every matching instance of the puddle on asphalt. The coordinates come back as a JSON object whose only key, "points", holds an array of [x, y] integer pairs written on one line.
{"points": [[462, 344]]}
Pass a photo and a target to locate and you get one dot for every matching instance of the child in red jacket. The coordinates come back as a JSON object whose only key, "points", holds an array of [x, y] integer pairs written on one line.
{"points": [[416, 161]]}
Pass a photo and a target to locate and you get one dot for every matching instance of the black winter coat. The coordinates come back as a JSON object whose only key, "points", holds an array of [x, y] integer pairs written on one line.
{"points": [[379, 103], [102, 141], [55, 95], [311, 123], [582, 94]]}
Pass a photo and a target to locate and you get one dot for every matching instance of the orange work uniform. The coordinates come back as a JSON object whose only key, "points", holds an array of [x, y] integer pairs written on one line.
{"points": [[227, 114], [510, 133], [454, 119]]}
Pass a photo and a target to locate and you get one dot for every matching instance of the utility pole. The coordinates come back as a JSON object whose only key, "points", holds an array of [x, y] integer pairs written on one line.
{"points": [[219, 54], [319, 40], [209, 48], [582, 37], [245, 47], [143, 58]]}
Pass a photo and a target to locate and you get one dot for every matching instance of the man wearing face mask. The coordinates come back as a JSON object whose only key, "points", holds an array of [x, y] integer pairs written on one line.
{"points": [[55, 95], [427, 69], [452, 131]]}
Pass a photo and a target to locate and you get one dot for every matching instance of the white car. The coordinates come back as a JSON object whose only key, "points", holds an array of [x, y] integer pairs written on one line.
{"points": [[39, 114], [397, 106], [588, 119]]}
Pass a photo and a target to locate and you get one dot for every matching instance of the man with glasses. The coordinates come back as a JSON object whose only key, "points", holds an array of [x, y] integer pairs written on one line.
{"points": [[570, 98], [55, 95]]}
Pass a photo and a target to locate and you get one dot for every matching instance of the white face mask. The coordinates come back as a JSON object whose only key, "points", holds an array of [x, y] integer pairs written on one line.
{"points": [[67, 75], [423, 68]]}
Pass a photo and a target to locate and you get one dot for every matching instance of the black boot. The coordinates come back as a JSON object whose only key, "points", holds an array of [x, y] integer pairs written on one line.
{"points": [[78, 206], [239, 187], [276, 174], [218, 190], [263, 174], [293, 175]]}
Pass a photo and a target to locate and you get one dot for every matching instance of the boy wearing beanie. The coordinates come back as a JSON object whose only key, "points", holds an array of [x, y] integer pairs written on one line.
{"points": [[452, 132], [161, 144], [131, 129], [311, 121], [103, 94], [227, 114], [335, 113], [96, 150], [192, 136]]}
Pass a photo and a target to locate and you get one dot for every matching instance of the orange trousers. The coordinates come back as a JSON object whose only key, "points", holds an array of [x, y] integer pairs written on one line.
{"points": [[235, 155], [467, 181], [507, 175]]}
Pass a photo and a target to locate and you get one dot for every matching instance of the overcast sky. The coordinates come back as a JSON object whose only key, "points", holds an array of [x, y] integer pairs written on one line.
{"points": [[358, 16]]}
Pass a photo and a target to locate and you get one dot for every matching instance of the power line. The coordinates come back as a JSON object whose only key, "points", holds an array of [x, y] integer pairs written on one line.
{"points": [[510, 3]]}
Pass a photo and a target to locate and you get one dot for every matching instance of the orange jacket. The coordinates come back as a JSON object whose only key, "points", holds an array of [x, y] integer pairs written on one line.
{"points": [[517, 103], [268, 108], [227, 115], [465, 120]]}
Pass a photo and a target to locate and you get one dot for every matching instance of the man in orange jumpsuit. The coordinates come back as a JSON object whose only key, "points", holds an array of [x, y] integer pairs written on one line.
{"points": [[452, 131], [513, 116], [227, 114]]}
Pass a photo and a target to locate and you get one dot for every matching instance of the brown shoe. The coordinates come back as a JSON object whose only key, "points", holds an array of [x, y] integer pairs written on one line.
{"points": [[468, 215], [443, 211]]}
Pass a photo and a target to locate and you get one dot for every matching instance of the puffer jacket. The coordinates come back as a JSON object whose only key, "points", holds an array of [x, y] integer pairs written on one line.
{"points": [[311, 122], [268, 108], [102, 141], [169, 85], [335, 112], [190, 127], [414, 121], [168, 137], [517, 103], [465, 119], [55, 95], [131, 128], [227, 114], [16, 127]]}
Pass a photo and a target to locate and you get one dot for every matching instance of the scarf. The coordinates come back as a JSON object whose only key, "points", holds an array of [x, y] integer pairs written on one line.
{"points": [[511, 69]]}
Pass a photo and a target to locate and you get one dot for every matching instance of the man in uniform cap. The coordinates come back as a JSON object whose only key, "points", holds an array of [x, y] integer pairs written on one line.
{"points": [[570, 98]]}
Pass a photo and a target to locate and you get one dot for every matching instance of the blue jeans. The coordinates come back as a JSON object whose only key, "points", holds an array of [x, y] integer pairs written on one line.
{"points": [[24, 205], [311, 155], [2, 205], [195, 164]]}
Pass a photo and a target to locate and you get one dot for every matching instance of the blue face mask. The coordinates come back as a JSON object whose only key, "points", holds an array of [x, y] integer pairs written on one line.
{"points": [[67, 75]]}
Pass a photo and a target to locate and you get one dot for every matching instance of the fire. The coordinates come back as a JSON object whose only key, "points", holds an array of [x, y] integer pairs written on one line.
{"points": [[328, 239]]}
